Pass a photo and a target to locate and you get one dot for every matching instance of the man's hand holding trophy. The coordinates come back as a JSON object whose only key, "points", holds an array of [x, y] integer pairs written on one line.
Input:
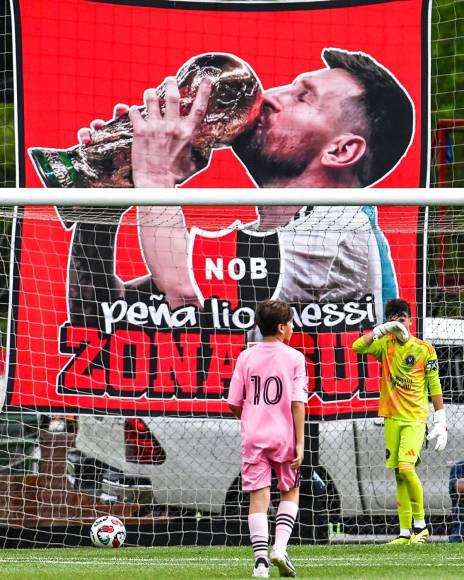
{"points": [[213, 98]]}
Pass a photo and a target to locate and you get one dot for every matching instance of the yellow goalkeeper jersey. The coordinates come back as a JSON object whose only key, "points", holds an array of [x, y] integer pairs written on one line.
{"points": [[409, 373]]}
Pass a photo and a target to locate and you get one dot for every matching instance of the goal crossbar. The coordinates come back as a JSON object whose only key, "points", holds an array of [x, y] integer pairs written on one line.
{"points": [[218, 197]]}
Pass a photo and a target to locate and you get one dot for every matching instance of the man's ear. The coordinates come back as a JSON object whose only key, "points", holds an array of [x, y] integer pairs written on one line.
{"points": [[344, 151]]}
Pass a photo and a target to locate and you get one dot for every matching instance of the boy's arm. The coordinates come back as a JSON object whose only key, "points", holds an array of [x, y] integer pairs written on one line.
{"points": [[299, 400], [437, 402], [365, 344], [236, 410], [236, 389], [367, 338], [439, 429], [432, 377], [298, 413]]}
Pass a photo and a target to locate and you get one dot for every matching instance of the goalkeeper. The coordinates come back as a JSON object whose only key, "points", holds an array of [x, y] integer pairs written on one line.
{"points": [[409, 374]]}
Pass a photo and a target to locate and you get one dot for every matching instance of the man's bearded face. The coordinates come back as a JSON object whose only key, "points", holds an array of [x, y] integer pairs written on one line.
{"points": [[297, 122]]}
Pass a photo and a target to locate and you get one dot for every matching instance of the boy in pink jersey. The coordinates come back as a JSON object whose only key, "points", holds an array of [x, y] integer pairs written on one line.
{"points": [[268, 392]]}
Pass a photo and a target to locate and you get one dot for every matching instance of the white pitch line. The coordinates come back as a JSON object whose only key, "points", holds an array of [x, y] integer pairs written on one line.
{"points": [[315, 562]]}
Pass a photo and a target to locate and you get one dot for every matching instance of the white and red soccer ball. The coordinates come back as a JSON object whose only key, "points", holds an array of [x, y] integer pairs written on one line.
{"points": [[107, 532]]}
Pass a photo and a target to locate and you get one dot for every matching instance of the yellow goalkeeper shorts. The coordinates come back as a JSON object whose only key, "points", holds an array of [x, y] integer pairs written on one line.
{"points": [[403, 442]]}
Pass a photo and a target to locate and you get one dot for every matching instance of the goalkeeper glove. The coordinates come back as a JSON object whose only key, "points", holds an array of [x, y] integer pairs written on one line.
{"points": [[394, 327], [439, 430]]}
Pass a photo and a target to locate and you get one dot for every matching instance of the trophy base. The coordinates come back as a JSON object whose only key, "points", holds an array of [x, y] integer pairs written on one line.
{"points": [[55, 168]]}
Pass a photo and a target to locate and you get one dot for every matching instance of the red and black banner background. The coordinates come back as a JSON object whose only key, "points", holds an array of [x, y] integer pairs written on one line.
{"points": [[75, 59]]}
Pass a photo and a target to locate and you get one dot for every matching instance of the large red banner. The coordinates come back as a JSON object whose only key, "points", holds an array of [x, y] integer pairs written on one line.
{"points": [[79, 341]]}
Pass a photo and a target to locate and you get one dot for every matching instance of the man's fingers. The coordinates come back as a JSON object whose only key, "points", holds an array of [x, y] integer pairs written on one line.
{"points": [[137, 120], [97, 124], [152, 104], [200, 104], [172, 98], [84, 136], [119, 110]]}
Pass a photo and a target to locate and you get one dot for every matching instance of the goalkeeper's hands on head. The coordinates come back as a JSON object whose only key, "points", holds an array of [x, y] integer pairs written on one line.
{"points": [[439, 430], [394, 327]]}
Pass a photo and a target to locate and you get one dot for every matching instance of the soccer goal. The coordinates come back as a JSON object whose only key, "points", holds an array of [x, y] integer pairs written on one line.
{"points": [[125, 370], [123, 309]]}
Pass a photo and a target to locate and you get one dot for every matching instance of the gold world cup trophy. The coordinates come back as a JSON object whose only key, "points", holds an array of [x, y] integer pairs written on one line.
{"points": [[234, 106]]}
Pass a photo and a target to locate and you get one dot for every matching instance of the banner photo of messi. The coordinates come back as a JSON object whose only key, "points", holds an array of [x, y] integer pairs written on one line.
{"points": [[145, 310]]}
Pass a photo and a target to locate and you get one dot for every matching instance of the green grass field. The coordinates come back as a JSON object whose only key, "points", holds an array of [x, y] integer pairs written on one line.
{"points": [[360, 562]]}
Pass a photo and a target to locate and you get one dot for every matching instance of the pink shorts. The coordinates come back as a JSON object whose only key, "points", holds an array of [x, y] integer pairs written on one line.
{"points": [[259, 475]]}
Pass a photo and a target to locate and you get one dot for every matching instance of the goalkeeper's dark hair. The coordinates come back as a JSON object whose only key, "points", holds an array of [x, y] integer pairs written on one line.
{"points": [[397, 306], [271, 313], [383, 114]]}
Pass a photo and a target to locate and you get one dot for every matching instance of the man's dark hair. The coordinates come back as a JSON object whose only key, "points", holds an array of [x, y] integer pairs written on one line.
{"points": [[271, 313], [388, 117], [397, 306]]}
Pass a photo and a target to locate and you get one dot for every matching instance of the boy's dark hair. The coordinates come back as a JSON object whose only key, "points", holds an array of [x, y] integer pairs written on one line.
{"points": [[397, 306], [383, 114], [271, 313]]}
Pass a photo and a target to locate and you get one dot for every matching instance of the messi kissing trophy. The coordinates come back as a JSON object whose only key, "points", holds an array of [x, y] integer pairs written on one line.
{"points": [[234, 106]]}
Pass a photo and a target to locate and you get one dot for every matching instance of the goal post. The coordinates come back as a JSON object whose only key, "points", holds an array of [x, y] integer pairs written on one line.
{"points": [[213, 197]]}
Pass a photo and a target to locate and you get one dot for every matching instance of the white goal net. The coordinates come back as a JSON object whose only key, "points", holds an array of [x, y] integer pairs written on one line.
{"points": [[124, 328]]}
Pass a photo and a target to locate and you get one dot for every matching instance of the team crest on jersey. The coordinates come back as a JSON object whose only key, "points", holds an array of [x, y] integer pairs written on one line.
{"points": [[410, 360], [237, 265], [432, 365]]}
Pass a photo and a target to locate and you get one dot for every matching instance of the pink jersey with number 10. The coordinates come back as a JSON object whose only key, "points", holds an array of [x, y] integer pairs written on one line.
{"points": [[267, 378]]}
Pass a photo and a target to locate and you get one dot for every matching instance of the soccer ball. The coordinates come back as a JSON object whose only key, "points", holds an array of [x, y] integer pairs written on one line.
{"points": [[107, 532]]}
